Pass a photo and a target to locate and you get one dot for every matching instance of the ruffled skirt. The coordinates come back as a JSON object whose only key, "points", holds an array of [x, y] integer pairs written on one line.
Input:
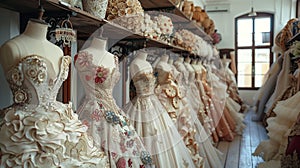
{"points": [[46, 136]]}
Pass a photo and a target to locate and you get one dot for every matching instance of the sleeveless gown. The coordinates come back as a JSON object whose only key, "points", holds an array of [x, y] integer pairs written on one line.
{"points": [[155, 126], [37, 130], [172, 97], [105, 120]]}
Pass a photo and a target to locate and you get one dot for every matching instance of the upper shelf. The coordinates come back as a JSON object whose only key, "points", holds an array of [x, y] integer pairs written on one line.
{"points": [[86, 23], [180, 17]]}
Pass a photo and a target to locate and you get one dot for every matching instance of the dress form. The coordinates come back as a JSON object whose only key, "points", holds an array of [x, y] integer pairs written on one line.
{"points": [[163, 63], [102, 56], [26, 44], [140, 64]]}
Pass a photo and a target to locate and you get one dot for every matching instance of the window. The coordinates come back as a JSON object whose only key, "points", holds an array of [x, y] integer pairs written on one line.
{"points": [[253, 46]]}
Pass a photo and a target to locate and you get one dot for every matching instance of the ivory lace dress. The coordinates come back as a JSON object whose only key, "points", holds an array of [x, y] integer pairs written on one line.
{"points": [[155, 126], [37, 130], [105, 120]]}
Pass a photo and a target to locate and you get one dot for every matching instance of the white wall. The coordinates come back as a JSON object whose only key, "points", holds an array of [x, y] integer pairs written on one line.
{"points": [[283, 11], [9, 28]]}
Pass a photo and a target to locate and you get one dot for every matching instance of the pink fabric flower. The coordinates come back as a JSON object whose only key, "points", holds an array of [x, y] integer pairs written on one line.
{"points": [[96, 115], [101, 74], [83, 59], [123, 148], [86, 123], [121, 163]]}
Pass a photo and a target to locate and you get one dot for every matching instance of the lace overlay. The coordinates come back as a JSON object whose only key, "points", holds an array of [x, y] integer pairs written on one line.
{"points": [[37, 130], [106, 121]]}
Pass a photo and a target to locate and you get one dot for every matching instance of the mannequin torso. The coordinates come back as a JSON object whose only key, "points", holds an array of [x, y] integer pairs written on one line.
{"points": [[100, 55], [163, 64], [32, 42], [140, 64]]}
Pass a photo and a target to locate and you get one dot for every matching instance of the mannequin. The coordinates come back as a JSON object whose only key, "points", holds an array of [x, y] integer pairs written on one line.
{"points": [[170, 95], [98, 71], [225, 63], [191, 70], [195, 108], [102, 56], [150, 119], [179, 60], [26, 44], [140, 64], [35, 70]]}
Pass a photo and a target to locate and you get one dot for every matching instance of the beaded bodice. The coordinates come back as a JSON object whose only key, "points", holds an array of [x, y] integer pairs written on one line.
{"points": [[144, 84], [33, 80]]}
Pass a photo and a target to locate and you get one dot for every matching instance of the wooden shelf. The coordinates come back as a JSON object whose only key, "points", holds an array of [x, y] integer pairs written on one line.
{"points": [[180, 20], [86, 24]]}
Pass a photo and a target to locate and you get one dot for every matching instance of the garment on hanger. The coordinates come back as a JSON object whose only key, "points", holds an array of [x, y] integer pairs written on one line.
{"points": [[106, 122], [152, 122]]}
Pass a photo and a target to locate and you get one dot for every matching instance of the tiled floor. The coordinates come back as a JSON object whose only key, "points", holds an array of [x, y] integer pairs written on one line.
{"points": [[238, 153]]}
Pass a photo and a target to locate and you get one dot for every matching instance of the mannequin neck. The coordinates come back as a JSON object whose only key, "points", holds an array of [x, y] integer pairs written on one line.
{"points": [[226, 63], [142, 55], [180, 60], [194, 61], [98, 44], [187, 60], [36, 30], [171, 61], [164, 58]]}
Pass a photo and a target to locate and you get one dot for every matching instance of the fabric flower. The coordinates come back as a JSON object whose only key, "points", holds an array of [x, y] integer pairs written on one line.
{"points": [[83, 59], [101, 74], [20, 96], [86, 123], [96, 115], [121, 163]]}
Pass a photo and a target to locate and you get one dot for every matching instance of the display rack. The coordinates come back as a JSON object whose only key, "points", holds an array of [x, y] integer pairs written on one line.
{"points": [[86, 24]]}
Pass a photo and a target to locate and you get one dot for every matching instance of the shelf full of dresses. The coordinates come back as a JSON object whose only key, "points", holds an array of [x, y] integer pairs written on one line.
{"points": [[86, 23]]}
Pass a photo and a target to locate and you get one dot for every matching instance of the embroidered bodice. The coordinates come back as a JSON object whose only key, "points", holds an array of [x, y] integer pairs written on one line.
{"points": [[34, 81], [144, 84], [97, 80]]}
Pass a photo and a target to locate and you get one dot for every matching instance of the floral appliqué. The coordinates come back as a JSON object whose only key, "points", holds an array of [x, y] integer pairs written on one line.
{"points": [[83, 59], [96, 115], [121, 163], [101, 74], [86, 123]]}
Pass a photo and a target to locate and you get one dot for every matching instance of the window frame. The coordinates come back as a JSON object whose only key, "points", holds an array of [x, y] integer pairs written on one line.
{"points": [[253, 47]]}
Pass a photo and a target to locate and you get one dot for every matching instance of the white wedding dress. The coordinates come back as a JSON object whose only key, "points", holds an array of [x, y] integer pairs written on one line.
{"points": [[153, 123], [107, 123], [37, 130]]}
